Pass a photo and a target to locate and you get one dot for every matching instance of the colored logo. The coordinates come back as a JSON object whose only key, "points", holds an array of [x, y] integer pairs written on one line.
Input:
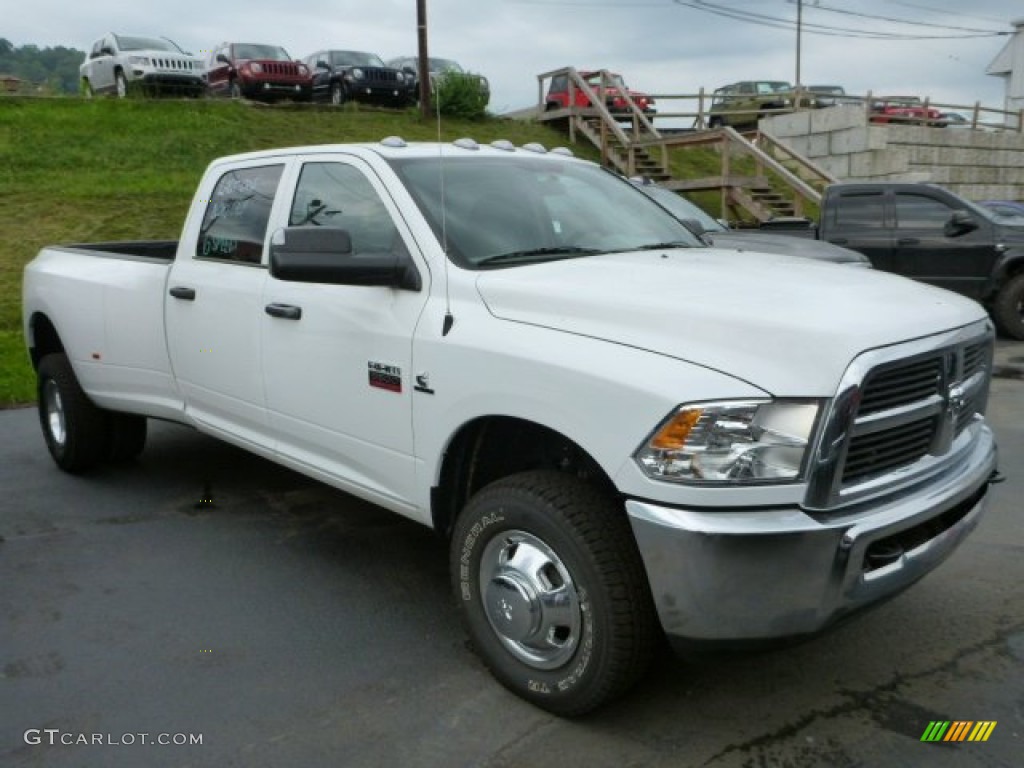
{"points": [[958, 730]]}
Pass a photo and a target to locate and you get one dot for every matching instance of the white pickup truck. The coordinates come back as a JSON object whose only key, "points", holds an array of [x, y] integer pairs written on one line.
{"points": [[620, 432]]}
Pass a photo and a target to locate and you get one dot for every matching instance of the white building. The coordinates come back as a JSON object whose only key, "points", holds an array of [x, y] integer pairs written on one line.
{"points": [[1009, 64]]}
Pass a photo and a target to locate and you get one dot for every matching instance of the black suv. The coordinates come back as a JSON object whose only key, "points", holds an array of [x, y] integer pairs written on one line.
{"points": [[438, 68], [340, 76]]}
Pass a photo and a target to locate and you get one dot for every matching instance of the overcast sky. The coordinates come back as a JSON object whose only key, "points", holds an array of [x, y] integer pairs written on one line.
{"points": [[659, 46]]}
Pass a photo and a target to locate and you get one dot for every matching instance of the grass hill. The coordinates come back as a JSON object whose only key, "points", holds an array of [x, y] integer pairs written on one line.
{"points": [[75, 170]]}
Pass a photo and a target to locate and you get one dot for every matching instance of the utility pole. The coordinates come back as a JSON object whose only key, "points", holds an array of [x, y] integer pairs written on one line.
{"points": [[424, 62], [799, 31]]}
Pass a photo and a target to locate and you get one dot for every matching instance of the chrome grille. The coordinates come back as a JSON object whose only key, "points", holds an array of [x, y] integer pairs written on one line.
{"points": [[897, 415]]}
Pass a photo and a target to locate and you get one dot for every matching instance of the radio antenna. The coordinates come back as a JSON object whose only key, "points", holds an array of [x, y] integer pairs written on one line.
{"points": [[449, 320]]}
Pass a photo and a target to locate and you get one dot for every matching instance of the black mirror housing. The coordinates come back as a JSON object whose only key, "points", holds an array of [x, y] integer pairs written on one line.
{"points": [[324, 255], [960, 223]]}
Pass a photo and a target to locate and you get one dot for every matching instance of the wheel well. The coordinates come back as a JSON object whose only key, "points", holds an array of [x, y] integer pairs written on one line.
{"points": [[45, 340], [490, 448]]}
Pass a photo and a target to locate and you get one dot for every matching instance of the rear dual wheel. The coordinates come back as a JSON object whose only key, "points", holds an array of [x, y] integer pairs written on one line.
{"points": [[78, 434]]}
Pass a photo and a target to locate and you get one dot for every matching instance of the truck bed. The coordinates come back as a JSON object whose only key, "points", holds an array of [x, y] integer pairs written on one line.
{"points": [[155, 250]]}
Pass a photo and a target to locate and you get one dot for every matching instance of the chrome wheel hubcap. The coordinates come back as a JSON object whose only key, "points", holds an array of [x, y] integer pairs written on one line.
{"points": [[54, 413], [530, 599]]}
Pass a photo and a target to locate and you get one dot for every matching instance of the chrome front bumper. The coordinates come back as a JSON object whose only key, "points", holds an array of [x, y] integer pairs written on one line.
{"points": [[735, 575]]}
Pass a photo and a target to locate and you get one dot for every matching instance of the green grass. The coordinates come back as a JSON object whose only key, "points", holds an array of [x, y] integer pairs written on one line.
{"points": [[75, 170]]}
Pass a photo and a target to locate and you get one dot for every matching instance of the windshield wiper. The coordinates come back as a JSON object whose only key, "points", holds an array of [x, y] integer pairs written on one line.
{"points": [[536, 254], [660, 246]]}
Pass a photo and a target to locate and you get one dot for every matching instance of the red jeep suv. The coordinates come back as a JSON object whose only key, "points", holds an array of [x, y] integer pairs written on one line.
{"points": [[558, 94], [263, 72]]}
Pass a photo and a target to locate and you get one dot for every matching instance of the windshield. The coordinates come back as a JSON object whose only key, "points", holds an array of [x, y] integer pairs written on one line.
{"points": [[146, 44], [500, 211], [444, 65], [355, 59], [262, 52], [682, 208], [773, 86], [612, 81]]}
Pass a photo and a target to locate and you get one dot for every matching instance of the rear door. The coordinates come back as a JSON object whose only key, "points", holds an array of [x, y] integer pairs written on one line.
{"points": [[858, 219], [337, 359], [214, 310]]}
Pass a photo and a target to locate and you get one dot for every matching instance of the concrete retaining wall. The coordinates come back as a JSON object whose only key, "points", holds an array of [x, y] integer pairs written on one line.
{"points": [[976, 164]]}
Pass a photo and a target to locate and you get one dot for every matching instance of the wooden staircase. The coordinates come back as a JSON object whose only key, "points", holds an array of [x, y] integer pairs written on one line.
{"points": [[783, 184]]}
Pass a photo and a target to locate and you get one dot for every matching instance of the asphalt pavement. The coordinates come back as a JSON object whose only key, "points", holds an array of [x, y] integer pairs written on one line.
{"points": [[203, 592]]}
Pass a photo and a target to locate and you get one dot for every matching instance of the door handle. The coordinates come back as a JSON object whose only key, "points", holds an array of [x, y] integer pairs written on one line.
{"points": [[908, 241], [287, 311], [181, 292], [839, 240]]}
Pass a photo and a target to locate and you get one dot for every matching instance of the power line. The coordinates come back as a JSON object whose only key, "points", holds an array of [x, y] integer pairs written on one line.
{"points": [[933, 9], [909, 22], [778, 22]]}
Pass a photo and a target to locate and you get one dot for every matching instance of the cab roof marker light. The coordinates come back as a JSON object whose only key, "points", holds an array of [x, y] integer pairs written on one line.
{"points": [[565, 151], [504, 144], [466, 143], [394, 141], [535, 147]]}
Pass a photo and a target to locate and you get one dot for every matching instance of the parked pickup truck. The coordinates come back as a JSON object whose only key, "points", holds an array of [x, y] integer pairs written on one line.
{"points": [[930, 234], [620, 431]]}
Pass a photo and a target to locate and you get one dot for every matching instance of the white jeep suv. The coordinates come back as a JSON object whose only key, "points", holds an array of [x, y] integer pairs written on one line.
{"points": [[158, 64]]}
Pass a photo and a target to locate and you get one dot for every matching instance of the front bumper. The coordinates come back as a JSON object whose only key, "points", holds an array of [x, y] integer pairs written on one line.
{"points": [[746, 575]]}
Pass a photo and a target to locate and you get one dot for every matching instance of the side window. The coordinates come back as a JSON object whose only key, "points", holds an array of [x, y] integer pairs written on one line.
{"points": [[920, 212], [339, 195], [235, 222], [860, 211]]}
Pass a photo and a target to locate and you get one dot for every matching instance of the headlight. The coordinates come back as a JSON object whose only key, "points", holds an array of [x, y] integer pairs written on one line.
{"points": [[357, 73], [303, 70], [139, 61], [255, 67], [752, 441]]}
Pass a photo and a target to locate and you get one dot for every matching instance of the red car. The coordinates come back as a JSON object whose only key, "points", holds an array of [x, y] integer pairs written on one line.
{"points": [[558, 94], [904, 109]]}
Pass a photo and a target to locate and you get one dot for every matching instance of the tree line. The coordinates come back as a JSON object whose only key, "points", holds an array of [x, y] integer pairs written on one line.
{"points": [[52, 70]]}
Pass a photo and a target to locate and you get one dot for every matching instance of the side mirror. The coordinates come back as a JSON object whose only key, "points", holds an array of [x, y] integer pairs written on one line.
{"points": [[107, 50], [222, 59], [960, 223], [409, 71], [694, 226], [321, 64], [324, 255]]}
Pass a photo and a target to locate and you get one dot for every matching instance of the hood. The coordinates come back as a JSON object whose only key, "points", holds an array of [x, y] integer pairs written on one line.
{"points": [[806, 248], [790, 326]]}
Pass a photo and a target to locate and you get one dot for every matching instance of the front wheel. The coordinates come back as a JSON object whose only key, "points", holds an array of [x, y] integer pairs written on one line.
{"points": [[553, 590], [337, 94], [76, 431], [1008, 308], [120, 84], [235, 90]]}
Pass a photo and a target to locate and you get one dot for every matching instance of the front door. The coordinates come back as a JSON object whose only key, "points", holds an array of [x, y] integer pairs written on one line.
{"points": [[337, 359]]}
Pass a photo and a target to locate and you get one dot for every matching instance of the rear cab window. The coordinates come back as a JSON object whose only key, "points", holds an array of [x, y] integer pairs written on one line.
{"points": [[235, 222]]}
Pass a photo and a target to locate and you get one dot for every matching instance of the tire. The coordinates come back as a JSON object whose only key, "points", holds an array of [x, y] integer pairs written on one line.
{"points": [[76, 431], [540, 534], [715, 122], [235, 90], [87, 91], [120, 85], [338, 96], [1008, 308], [126, 437]]}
